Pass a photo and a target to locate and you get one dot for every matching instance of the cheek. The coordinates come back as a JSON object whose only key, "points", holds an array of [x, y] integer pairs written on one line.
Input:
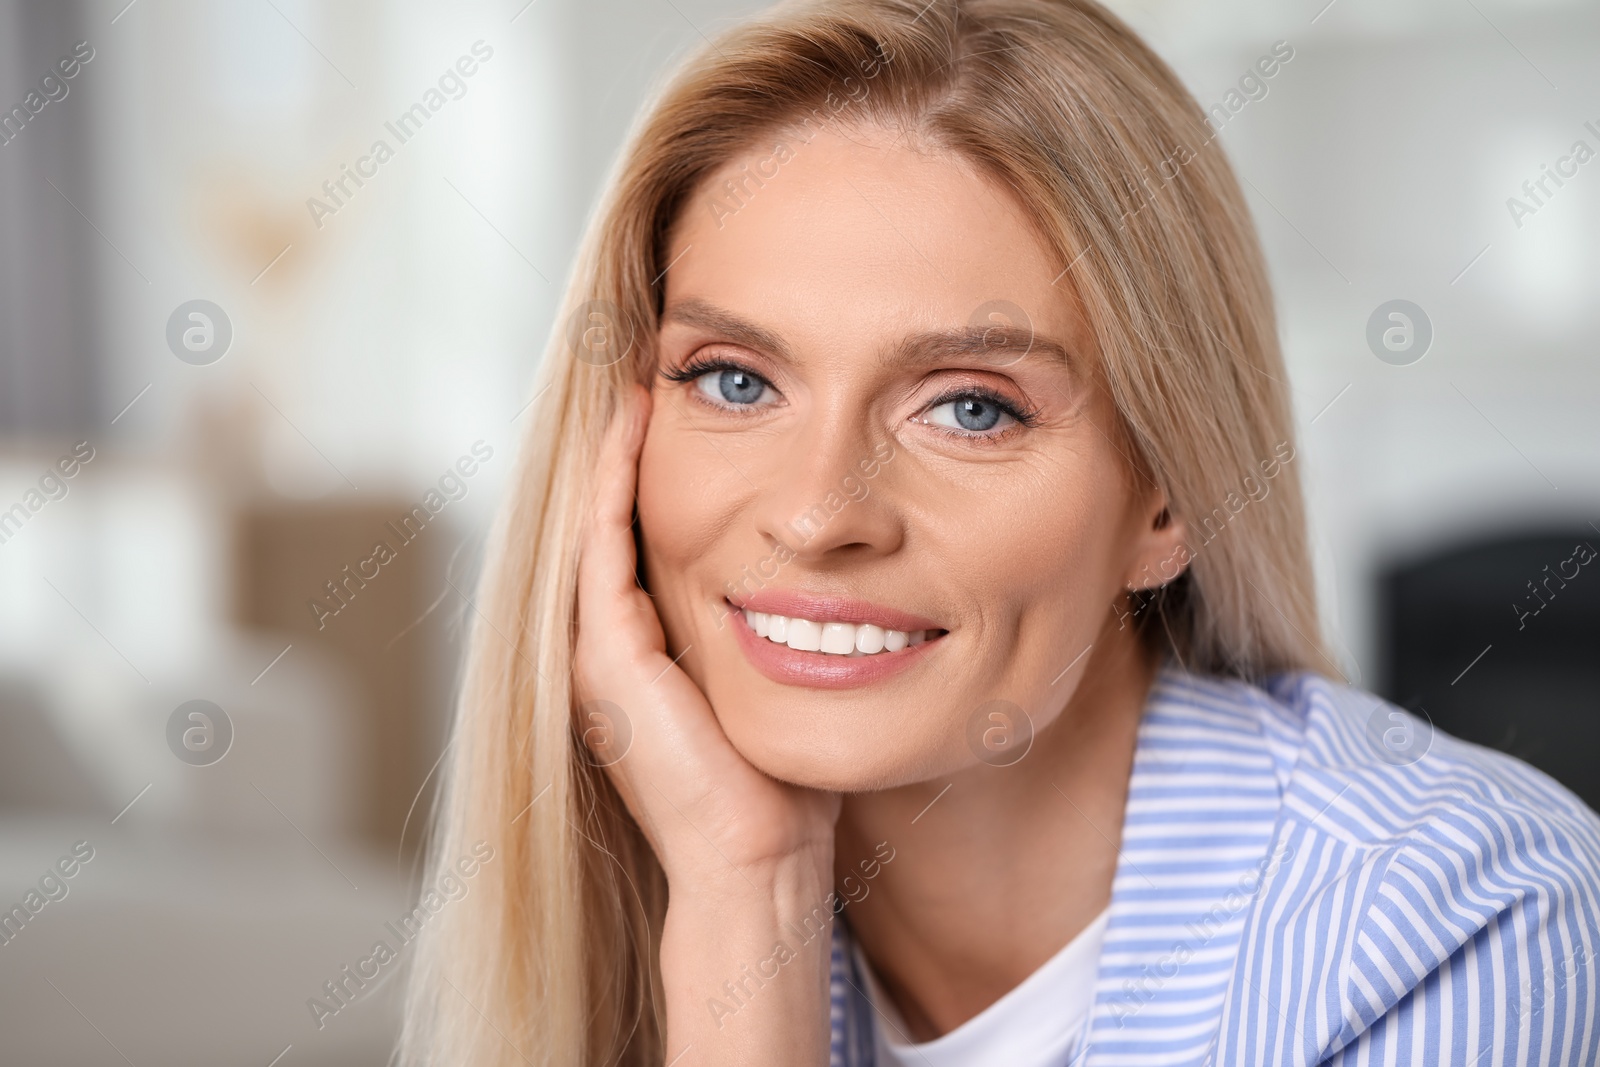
{"points": [[1040, 549], [669, 530], [1049, 564], [662, 483], [1053, 530], [672, 508], [685, 511]]}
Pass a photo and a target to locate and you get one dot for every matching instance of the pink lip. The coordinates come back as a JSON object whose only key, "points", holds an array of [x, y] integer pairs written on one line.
{"points": [[833, 609], [820, 670]]}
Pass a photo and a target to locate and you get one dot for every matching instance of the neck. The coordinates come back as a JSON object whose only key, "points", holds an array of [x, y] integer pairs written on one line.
{"points": [[1010, 863]]}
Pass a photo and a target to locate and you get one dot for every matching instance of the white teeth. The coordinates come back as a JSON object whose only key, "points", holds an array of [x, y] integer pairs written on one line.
{"points": [[838, 638], [869, 638], [804, 635], [832, 638]]}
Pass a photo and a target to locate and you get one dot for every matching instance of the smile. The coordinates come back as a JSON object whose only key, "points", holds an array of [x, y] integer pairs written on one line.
{"points": [[832, 638], [830, 642]]}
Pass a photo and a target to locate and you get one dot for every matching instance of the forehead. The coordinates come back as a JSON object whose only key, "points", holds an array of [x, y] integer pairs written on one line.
{"points": [[857, 233]]}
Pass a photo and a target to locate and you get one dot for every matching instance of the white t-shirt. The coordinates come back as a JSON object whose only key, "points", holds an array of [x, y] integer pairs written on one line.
{"points": [[1037, 1024]]}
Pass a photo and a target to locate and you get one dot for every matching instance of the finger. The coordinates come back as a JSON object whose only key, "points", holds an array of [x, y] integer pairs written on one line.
{"points": [[622, 647], [607, 559], [609, 636]]}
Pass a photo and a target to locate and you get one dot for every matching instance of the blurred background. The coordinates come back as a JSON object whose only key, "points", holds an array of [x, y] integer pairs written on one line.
{"points": [[238, 348]]}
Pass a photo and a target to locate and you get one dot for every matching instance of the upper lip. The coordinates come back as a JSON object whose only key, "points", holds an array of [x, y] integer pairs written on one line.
{"points": [[829, 608]]}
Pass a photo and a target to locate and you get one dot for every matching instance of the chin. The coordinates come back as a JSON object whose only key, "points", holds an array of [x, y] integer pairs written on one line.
{"points": [[834, 757]]}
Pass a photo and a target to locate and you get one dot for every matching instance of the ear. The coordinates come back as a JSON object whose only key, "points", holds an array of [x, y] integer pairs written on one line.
{"points": [[1161, 546]]}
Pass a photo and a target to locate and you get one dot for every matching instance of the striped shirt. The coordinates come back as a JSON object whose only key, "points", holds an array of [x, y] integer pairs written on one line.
{"points": [[1311, 876]]}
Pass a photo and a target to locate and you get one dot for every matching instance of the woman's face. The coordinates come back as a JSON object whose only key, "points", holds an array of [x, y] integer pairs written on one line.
{"points": [[875, 410]]}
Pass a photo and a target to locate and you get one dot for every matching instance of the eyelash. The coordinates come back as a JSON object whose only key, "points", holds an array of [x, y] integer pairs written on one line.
{"points": [[704, 365], [1025, 415]]}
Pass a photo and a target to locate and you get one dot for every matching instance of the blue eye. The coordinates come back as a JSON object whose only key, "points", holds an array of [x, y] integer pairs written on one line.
{"points": [[972, 413], [975, 415], [732, 385], [724, 384]]}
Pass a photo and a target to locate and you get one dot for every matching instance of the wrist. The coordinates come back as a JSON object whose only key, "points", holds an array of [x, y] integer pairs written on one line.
{"points": [[716, 879], [745, 962], [758, 898]]}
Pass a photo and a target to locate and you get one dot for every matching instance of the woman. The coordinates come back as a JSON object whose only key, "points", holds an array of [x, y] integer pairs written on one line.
{"points": [[954, 694]]}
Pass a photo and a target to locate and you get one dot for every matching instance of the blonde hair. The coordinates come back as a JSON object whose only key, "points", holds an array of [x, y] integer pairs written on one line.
{"points": [[551, 959]]}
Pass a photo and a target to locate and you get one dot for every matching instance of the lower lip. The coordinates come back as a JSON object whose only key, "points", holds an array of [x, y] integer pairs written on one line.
{"points": [[822, 670]]}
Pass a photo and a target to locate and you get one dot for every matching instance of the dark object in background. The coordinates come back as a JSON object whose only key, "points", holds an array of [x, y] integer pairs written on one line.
{"points": [[1533, 601]]}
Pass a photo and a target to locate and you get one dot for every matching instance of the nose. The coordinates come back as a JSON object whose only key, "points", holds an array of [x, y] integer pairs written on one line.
{"points": [[831, 501]]}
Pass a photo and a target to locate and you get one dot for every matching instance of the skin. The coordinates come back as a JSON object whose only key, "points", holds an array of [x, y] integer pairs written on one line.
{"points": [[1019, 538]]}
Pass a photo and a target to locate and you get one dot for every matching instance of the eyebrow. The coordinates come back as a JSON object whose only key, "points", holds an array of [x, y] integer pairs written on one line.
{"points": [[1001, 344], [1005, 344], [709, 317]]}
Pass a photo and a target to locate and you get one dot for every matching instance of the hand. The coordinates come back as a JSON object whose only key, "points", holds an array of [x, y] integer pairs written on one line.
{"points": [[709, 814], [747, 858]]}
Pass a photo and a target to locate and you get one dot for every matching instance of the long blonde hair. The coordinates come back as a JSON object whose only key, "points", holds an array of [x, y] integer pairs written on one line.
{"points": [[551, 958]]}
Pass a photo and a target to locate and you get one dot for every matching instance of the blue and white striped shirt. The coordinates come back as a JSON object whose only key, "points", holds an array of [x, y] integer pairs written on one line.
{"points": [[1293, 890]]}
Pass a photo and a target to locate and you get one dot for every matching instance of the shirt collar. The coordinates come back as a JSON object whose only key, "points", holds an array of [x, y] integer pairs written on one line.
{"points": [[1203, 803]]}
